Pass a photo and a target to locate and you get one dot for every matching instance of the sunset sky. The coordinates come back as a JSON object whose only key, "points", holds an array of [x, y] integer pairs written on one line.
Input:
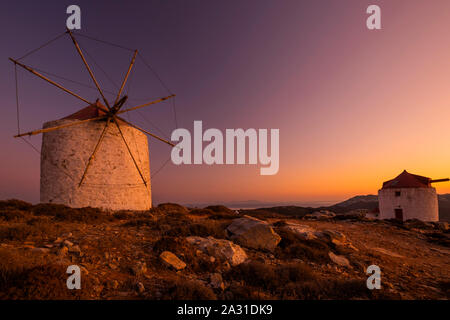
{"points": [[354, 107]]}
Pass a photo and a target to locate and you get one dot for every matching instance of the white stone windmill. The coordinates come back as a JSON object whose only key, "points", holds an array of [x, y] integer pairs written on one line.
{"points": [[87, 158]]}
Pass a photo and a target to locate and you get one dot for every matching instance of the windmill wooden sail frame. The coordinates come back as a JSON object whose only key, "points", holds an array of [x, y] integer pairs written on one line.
{"points": [[111, 113]]}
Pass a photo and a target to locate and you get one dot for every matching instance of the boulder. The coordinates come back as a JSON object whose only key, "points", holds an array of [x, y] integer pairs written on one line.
{"points": [[41, 250], [344, 245], [220, 248], [302, 231], [337, 238], [171, 260], [339, 260], [253, 233], [334, 235]]}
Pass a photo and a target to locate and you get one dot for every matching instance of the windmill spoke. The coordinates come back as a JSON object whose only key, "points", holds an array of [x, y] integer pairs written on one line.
{"points": [[129, 150], [48, 80], [95, 151], [147, 104], [126, 77], [31, 133], [147, 132], [88, 68]]}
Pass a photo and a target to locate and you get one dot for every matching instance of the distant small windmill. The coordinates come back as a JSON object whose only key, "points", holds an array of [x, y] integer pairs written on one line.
{"points": [[120, 178]]}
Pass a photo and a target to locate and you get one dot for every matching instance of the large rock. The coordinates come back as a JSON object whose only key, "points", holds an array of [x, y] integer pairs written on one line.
{"points": [[302, 231], [337, 238], [339, 260], [334, 235], [171, 260], [387, 252], [220, 248], [253, 233]]}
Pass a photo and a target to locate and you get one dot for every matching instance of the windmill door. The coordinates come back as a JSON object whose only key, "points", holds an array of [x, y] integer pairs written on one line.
{"points": [[399, 214]]}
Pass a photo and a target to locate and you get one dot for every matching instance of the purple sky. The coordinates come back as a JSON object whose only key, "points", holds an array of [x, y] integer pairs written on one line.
{"points": [[309, 68]]}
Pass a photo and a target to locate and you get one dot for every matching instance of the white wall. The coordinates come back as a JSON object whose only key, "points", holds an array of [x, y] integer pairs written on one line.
{"points": [[417, 203], [112, 181]]}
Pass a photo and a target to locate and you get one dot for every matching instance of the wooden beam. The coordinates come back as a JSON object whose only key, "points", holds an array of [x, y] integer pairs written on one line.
{"points": [[146, 104], [147, 132], [88, 68], [126, 77], [439, 180], [95, 151], [48, 80], [31, 133], [129, 150]]}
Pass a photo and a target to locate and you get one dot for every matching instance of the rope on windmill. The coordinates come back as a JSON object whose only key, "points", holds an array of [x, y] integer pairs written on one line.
{"points": [[91, 87]]}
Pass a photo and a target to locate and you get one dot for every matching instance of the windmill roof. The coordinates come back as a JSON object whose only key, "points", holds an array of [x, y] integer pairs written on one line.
{"points": [[89, 112], [408, 180]]}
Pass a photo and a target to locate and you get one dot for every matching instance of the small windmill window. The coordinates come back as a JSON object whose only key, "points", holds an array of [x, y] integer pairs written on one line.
{"points": [[398, 193]]}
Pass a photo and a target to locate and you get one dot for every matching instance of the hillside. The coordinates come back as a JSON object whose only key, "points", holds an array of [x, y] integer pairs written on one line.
{"points": [[172, 252], [371, 202]]}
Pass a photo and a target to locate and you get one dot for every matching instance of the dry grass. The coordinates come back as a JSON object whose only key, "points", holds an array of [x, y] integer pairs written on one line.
{"points": [[113, 243], [25, 276], [182, 289], [268, 277], [63, 213], [36, 229], [15, 204]]}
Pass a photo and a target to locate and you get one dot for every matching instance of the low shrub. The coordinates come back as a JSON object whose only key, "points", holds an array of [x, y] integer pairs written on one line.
{"points": [[188, 290], [327, 289], [268, 277], [142, 222], [201, 212], [12, 214], [172, 208], [38, 230], [64, 213], [15, 204], [204, 228], [22, 278]]}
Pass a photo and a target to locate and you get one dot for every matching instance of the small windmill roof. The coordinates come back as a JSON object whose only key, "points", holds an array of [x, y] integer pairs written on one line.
{"points": [[408, 180], [89, 112]]}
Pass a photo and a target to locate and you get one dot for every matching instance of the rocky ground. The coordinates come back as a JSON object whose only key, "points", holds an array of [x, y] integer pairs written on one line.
{"points": [[172, 252]]}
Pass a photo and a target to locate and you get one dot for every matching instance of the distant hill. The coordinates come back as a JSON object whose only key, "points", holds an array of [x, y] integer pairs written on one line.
{"points": [[371, 202], [252, 204]]}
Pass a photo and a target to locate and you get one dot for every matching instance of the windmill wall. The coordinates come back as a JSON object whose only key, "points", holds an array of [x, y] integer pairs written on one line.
{"points": [[112, 181], [415, 203]]}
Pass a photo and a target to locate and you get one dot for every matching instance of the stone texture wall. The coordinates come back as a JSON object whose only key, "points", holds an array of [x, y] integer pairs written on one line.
{"points": [[112, 181], [416, 203]]}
